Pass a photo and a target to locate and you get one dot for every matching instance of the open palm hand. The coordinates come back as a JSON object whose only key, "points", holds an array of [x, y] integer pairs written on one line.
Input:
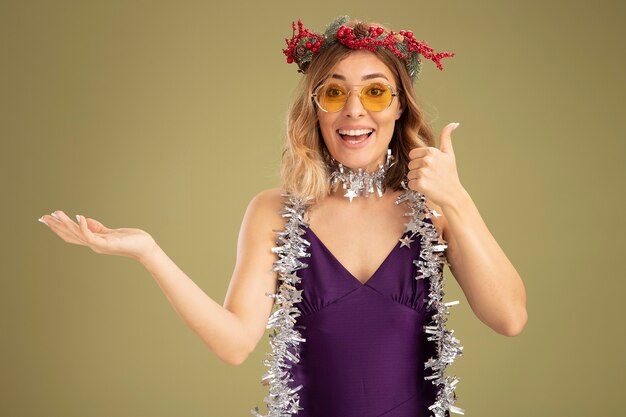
{"points": [[128, 242]]}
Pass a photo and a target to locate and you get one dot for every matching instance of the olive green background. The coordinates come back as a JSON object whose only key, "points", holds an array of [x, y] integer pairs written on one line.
{"points": [[168, 116]]}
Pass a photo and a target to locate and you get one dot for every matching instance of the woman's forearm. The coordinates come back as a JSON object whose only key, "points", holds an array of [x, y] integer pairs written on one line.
{"points": [[220, 329], [490, 282]]}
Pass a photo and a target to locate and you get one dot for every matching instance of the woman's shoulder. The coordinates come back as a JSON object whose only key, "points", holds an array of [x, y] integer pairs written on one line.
{"points": [[267, 200], [264, 207]]}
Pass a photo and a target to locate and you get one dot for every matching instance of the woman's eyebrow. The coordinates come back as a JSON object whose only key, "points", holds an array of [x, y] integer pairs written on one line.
{"points": [[365, 77]]}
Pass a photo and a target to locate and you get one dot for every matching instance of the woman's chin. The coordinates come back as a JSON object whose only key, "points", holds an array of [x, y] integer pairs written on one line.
{"points": [[362, 155], [367, 164]]}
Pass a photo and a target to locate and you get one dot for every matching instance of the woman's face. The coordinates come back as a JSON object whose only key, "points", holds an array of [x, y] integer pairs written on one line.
{"points": [[342, 130]]}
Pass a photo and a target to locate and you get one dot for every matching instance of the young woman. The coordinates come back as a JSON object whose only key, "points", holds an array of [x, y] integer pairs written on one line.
{"points": [[367, 206]]}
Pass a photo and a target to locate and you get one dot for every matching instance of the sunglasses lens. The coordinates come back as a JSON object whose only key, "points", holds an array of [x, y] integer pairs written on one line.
{"points": [[332, 97], [376, 97]]}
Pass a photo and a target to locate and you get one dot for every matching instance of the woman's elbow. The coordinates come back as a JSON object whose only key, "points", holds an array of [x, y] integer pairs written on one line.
{"points": [[236, 357], [515, 324], [234, 360]]}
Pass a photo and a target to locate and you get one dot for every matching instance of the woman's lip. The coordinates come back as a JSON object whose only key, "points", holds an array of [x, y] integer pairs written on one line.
{"points": [[356, 127], [355, 145]]}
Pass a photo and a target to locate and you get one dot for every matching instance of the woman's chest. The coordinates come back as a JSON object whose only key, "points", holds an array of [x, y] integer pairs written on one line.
{"points": [[360, 240]]}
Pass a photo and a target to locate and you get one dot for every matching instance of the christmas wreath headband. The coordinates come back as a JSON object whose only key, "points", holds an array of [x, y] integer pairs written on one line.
{"points": [[304, 44]]}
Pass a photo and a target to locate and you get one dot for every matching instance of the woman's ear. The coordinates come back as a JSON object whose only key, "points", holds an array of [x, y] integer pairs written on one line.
{"points": [[400, 109]]}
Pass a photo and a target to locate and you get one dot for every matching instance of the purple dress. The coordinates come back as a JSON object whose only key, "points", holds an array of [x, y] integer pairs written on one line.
{"points": [[365, 345]]}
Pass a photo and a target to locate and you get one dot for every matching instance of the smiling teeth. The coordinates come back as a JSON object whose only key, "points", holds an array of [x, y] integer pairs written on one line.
{"points": [[355, 132]]}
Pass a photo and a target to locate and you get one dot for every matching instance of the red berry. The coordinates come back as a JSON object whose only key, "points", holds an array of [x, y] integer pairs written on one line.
{"points": [[380, 31], [402, 32], [409, 34], [289, 59], [308, 45], [318, 44], [340, 33], [314, 49]]}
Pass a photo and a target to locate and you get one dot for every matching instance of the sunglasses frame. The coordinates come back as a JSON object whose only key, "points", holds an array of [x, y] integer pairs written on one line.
{"points": [[394, 93]]}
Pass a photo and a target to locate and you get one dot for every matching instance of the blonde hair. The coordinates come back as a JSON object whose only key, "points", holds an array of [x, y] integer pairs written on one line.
{"points": [[305, 158]]}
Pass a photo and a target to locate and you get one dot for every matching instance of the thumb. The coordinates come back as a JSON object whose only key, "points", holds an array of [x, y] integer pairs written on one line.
{"points": [[95, 226], [445, 140]]}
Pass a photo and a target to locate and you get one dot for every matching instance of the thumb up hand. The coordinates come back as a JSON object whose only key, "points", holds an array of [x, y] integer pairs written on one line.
{"points": [[432, 171]]}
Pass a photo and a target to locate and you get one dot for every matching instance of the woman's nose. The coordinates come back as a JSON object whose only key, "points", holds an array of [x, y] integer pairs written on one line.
{"points": [[354, 107]]}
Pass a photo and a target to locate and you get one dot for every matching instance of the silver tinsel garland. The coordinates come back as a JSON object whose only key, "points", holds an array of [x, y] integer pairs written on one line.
{"points": [[430, 264], [283, 401]]}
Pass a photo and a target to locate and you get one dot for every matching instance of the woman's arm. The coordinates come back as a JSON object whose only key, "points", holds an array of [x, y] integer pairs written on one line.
{"points": [[491, 284], [232, 331]]}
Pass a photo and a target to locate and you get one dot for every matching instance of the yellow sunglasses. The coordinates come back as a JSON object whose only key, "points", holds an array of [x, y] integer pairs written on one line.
{"points": [[332, 96]]}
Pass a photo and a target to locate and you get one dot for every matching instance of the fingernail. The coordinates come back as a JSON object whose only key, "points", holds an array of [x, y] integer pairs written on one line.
{"points": [[78, 218], [41, 220], [456, 125], [54, 215]]}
